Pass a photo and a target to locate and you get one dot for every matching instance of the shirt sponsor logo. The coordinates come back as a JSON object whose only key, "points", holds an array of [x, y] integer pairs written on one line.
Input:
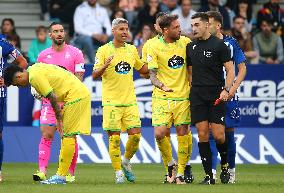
{"points": [[175, 62], [122, 67]]}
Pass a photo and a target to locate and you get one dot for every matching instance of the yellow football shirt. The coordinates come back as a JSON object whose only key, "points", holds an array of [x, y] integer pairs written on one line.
{"points": [[170, 62], [46, 78], [117, 80], [146, 47]]}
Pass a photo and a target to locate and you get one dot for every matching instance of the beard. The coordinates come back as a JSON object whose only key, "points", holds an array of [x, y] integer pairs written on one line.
{"points": [[59, 42]]}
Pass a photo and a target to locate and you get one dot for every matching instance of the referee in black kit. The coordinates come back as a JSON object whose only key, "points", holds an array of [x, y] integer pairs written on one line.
{"points": [[207, 55]]}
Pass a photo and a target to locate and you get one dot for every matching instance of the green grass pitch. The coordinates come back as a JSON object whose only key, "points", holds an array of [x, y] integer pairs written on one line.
{"points": [[99, 178]]}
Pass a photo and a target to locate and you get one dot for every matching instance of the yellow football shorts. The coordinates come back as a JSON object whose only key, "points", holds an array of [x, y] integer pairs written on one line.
{"points": [[164, 112], [77, 117], [121, 118]]}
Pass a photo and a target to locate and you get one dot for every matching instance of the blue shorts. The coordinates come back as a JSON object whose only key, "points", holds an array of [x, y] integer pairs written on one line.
{"points": [[2, 112], [233, 114]]}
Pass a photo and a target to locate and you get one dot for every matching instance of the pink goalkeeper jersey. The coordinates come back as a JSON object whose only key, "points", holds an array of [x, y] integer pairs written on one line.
{"points": [[70, 58]]}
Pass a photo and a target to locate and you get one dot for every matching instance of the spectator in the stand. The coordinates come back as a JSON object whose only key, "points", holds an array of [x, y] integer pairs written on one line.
{"points": [[130, 8], [244, 9], [272, 11], [169, 5], [63, 10], [13, 39], [240, 33], [44, 10], [41, 42], [146, 33], [92, 27], [268, 44], [8, 28], [213, 5], [185, 13], [119, 13], [148, 13]]}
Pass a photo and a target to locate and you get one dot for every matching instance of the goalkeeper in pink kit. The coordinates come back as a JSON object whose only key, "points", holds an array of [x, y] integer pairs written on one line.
{"points": [[71, 59]]}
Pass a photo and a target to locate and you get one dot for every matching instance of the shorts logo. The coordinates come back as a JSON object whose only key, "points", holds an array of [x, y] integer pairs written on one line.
{"points": [[208, 54], [222, 118], [175, 62], [122, 67]]}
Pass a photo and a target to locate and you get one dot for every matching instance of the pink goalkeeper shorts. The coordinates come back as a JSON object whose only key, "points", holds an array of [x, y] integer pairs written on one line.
{"points": [[47, 115]]}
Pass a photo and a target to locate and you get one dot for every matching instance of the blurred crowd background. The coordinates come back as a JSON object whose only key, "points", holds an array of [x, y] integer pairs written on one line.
{"points": [[258, 26]]}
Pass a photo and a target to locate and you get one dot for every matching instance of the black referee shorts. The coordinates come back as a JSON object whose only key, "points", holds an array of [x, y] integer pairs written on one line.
{"points": [[202, 105]]}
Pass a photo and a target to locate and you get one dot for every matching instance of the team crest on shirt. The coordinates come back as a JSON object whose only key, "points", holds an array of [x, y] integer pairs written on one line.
{"points": [[175, 62], [122, 67]]}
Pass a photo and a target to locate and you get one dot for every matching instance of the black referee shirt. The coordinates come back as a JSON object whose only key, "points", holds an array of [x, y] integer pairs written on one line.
{"points": [[207, 58]]}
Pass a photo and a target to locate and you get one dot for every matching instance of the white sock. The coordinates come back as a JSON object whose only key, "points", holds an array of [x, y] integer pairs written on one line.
{"points": [[213, 171], [118, 173], [188, 163], [232, 170], [126, 161], [171, 163]]}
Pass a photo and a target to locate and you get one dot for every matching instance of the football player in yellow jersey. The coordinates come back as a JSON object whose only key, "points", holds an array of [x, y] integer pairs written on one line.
{"points": [[169, 75], [166, 158], [58, 85], [114, 63]]}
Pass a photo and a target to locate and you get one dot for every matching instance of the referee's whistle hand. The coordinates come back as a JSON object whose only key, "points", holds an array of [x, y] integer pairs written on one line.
{"points": [[166, 89], [224, 95]]}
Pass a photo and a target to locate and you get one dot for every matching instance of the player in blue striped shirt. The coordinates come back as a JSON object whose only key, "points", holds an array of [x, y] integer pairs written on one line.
{"points": [[8, 54], [232, 118]]}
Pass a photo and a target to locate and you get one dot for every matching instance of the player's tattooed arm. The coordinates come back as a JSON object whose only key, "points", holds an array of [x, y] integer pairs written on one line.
{"points": [[57, 110], [54, 103], [156, 82], [100, 71]]}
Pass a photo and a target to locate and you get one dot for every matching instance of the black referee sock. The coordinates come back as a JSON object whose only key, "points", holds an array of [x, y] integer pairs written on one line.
{"points": [[223, 151], [206, 157]]}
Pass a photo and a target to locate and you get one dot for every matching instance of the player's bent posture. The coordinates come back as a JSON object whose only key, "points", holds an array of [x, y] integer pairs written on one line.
{"points": [[7, 53], [232, 118], [72, 60], [170, 97], [207, 55], [114, 63], [74, 118]]}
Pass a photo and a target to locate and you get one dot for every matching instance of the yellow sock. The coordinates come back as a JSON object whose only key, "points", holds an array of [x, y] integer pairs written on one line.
{"points": [[164, 147], [182, 153], [132, 145], [170, 148], [66, 155], [189, 145], [114, 151]]}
